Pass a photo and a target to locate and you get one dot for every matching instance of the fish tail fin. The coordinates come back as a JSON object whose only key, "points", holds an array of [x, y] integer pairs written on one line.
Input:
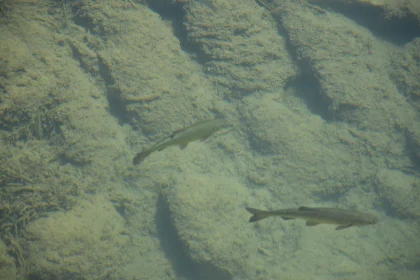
{"points": [[140, 157], [257, 214]]}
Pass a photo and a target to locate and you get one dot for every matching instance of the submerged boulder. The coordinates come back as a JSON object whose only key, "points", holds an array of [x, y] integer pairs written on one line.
{"points": [[87, 242]]}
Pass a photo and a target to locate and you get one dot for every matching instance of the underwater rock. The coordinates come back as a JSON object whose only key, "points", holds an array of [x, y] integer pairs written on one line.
{"points": [[392, 8], [239, 45], [151, 82], [327, 157], [208, 215], [399, 191], [88, 242], [350, 65], [7, 264]]}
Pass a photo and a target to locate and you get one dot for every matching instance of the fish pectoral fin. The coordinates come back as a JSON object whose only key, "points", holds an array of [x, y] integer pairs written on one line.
{"points": [[183, 146], [140, 157], [286, 218], [343, 227], [311, 223]]}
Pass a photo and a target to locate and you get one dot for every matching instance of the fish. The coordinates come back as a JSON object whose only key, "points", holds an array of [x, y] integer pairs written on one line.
{"points": [[182, 137], [314, 216]]}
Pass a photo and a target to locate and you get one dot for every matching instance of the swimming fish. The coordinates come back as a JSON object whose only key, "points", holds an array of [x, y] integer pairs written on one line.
{"points": [[201, 130], [314, 216]]}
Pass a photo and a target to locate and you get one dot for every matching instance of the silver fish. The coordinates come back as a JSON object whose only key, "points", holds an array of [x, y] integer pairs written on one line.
{"points": [[201, 130], [314, 216]]}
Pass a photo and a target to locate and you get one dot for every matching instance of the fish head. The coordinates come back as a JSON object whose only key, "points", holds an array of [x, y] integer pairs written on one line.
{"points": [[216, 125], [371, 219], [368, 219], [219, 123]]}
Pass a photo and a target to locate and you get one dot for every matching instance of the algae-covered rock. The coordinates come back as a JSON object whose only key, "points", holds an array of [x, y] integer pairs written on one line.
{"points": [[88, 242], [406, 71], [151, 82], [209, 216], [239, 45], [399, 192], [349, 64], [7, 264], [392, 8], [48, 96], [327, 158]]}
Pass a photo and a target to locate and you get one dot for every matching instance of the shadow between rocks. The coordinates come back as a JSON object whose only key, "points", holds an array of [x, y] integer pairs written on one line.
{"points": [[175, 251]]}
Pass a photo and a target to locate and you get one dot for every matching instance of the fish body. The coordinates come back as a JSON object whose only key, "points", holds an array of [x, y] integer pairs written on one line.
{"points": [[314, 216], [181, 138]]}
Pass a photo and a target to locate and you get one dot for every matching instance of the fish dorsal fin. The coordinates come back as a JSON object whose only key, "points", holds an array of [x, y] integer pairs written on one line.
{"points": [[304, 208], [311, 223]]}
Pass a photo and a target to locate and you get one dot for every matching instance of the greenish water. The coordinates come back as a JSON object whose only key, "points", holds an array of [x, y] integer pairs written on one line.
{"points": [[322, 104]]}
